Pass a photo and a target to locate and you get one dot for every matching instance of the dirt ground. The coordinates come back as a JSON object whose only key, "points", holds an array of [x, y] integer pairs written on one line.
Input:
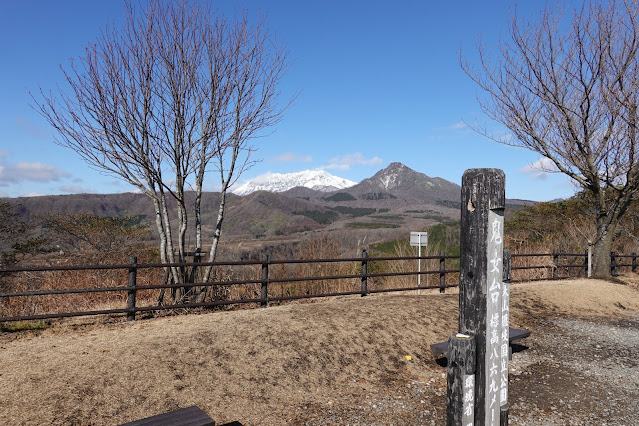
{"points": [[329, 362]]}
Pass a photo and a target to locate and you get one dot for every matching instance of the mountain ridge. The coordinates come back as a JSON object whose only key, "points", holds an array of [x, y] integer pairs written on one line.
{"points": [[318, 180], [393, 201]]}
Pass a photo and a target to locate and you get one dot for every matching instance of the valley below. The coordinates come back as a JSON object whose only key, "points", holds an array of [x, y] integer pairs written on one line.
{"points": [[385, 207]]}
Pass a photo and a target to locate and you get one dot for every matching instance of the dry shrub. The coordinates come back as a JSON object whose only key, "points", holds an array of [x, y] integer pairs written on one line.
{"points": [[236, 291], [566, 227], [82, 239], [544, 262], [322, 247], [403, 249], [75, 302]]}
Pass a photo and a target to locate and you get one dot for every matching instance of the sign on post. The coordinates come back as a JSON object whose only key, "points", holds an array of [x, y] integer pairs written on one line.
{"points": [[483, 297], [419, 239]]}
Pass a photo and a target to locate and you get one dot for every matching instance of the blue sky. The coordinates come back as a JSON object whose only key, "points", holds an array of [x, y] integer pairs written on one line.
{"points": [[379, 82]]}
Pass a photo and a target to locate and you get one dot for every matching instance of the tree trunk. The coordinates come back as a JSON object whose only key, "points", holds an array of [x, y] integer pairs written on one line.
{"points": [[200, 290], [176, 292], [160, 228], [602, 248], [183, 224], [216, 235], [199, 180]]}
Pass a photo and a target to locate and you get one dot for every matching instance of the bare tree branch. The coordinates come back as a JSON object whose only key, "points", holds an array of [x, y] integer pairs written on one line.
{"points": [[177, 92], [567, 87]]}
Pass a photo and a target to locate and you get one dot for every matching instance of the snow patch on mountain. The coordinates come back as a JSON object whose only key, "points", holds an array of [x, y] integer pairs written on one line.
{"points": [[318, 180], [388, 180]]}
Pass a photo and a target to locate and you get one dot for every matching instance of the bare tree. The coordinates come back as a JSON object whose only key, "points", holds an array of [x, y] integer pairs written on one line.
{"points": [[179, 91], [566, 85]]}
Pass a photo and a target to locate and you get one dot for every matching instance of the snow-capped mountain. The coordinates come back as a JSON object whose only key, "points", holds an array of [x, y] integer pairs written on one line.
{"points": [[318, 180]]}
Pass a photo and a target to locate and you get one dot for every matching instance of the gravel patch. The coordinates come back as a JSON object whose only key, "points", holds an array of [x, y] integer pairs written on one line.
{"points": [[571, 371], [577, 371]]}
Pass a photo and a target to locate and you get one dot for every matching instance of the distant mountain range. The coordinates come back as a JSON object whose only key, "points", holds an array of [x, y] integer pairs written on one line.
{"points": [[318, 180], [392, 202]]}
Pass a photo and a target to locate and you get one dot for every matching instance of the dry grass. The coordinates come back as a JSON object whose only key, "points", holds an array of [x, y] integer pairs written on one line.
{"points": [[83, 279], [257, 366], [323, 247]]}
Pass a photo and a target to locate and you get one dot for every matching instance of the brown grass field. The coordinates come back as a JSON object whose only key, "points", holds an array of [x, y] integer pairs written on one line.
{"points": [[263, 366]]}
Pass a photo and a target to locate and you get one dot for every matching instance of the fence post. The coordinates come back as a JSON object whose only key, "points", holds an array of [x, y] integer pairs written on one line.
{"points": [[197, 258], [460, 373], [442, 271], [507, 266], [264, 288], [364, 272], [483, 299], [634, 262], [613, 263], [130, 301], [586, 262], [555, 263]]}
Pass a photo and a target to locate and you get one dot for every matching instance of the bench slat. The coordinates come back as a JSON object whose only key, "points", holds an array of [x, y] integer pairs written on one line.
{"points": [[190, 416], [514, 335]]}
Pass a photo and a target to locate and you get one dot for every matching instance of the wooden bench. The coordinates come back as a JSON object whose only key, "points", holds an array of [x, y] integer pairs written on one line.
{"points": [[190, 416], [514, 335]]}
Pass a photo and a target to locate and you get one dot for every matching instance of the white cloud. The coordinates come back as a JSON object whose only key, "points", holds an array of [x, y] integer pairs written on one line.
{"points": [[458, 125], [289, 157], [213, 187], [345, 162], [540, 169], [455, 126], [38, 172], [75, 189], [16, 172], [35, 130], [33, 194], [5, 153]]}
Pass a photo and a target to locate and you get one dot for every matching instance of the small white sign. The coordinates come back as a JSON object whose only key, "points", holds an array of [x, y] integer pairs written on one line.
{"points": [[419, 239]]}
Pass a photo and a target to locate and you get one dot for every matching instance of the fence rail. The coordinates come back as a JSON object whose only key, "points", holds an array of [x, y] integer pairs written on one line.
{"points": [[553, 270]]}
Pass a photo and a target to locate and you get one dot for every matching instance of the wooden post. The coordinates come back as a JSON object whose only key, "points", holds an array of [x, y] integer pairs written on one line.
{"points": [[589, 259], [508, 266], [197, 258], [503, 420], [586, 262], [130, 301], [419, 264], [364, 272], [634, 262], [264, 288], [442, 271], [555, 263], [460, 390], [613, 263], [481, 291]]}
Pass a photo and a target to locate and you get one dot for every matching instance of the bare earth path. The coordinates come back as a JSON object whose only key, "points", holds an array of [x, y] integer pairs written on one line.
{"points": [[330, 362]]}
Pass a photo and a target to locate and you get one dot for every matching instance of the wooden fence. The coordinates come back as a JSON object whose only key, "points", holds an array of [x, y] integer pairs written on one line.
{"points": [[576, 265]]}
